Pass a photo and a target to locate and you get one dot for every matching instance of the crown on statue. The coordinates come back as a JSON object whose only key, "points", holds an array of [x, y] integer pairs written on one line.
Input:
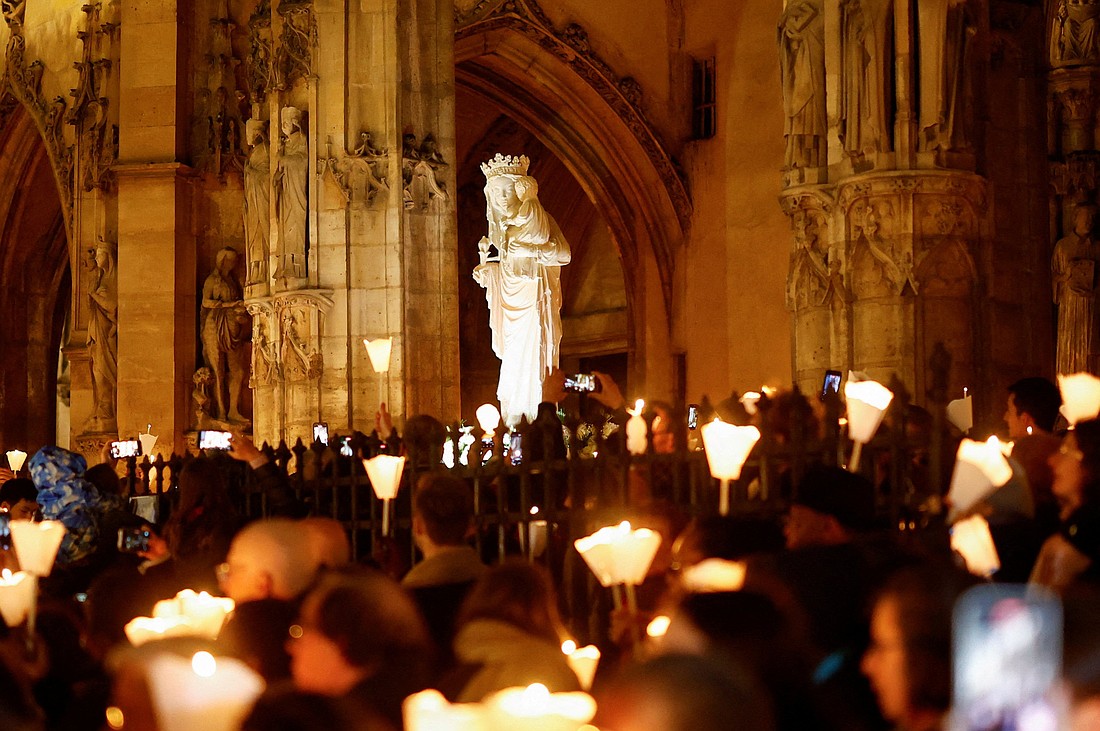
{"points": [[505, 165]]}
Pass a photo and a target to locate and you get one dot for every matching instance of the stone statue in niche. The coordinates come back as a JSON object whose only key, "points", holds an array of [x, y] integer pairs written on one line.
{"points": [[802, 68], [224, 330], [1073, 270], [1075, 32], [520, 269], [257, 204], [947, 31], [291, 183], [808, 283], [103, 338], [864, 42]]}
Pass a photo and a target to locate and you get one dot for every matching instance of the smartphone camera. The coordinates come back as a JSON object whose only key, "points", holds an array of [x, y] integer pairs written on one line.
{"points": [[125, 448], [830, 384], [515, 448], [209, 439], [582, 383], [320, 432], [133, 540], [345, 446], [693, 416]]}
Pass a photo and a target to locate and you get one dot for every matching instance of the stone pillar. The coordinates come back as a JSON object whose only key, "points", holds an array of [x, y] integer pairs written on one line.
{"points": [[379, 110], [156, 244], [891, 249]]}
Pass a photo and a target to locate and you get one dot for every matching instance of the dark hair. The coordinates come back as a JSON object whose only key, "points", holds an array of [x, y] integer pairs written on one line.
{"points": [[424, 437], [205, 517], [1039, 398], [700, 694], [925, 598], [446, 505], [518, 593], [19, 488], [105, 479], [377, 626], [249, 633], [848, 497], [285, 708]]}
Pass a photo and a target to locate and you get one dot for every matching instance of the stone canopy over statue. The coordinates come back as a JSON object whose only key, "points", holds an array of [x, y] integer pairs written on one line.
{"points": [[520, 270]]}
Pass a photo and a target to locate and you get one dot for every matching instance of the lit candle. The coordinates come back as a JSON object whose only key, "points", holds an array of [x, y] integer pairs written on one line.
{"points": [[727, 448], [960, 412], [535, 708], [378, 351], [980, 468], [16, 458], [867, 403], [1080, 397], [16, 596], [187, 614], [428, 710], [36, 544], [972, 539], [201, 692], [713, 575], [488, 418], [384, 472], [582, 660], [658, 627], [148, 440], [636, 429]]}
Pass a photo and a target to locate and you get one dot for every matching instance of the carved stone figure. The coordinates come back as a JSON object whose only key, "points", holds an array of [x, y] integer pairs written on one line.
{"points": [[291, 182], [808, 281], [1073, 270], [103, 338], [299, 362], [522, 284], [802, 66], [1075, 34], [257, 204], [419, 168], [265, 355], [865, 33], [224, 330], [946, 32]]}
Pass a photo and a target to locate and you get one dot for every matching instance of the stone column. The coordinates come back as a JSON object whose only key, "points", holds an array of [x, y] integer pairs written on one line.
{"points": [[156, 244]]}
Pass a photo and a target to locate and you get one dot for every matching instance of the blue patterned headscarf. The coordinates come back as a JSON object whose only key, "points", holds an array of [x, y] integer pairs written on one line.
{"points": [[66, 496]]}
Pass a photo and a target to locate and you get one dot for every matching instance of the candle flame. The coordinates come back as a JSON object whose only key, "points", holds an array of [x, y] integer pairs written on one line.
{"points": [[204, 664], [568, 647], [659, 626], [639, 407], [6, 574], [534, 510]]}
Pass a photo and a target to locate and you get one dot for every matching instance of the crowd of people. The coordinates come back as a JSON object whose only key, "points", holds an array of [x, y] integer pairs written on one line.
{"points": [[822, 619]]}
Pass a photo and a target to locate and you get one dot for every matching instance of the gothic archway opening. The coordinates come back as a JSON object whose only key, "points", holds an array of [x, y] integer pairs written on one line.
{"points": [[516, 96], [36, 291]]}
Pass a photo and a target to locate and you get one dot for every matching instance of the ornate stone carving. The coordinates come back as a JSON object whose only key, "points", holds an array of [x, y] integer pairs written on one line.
{"points": [[24, 81], [1075, 33], [257, 204], [97, 140], [291, 188], [300, 315], [420, 166], [522, 284], [358, 176], [299, 38], [103, 336], [802, 68], [573, 47], [224, 331], [260, 66], [873, 269], [266, 367], [13, 11]]}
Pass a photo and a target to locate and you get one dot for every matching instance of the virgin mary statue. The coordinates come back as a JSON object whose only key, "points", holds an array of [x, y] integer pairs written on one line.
{"points": [[522, 282]]}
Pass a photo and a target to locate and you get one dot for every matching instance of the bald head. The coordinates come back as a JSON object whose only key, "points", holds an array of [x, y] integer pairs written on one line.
{"points": [[269, 559]]}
